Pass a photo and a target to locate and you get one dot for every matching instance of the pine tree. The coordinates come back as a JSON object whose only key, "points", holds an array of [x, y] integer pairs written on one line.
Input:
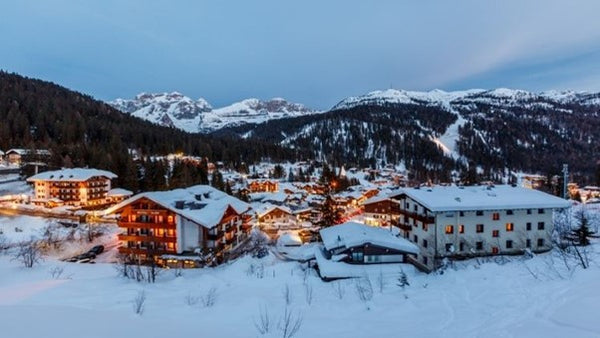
{"points": [[217, 180], [582, 234], [403, 280]]}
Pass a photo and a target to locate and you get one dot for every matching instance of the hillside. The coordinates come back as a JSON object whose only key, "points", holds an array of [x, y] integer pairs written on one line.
{"points": [[82, 131], [436, 132]]}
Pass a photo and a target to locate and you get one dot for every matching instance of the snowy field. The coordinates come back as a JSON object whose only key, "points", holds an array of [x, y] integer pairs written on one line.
{"points": [[494, 297]]}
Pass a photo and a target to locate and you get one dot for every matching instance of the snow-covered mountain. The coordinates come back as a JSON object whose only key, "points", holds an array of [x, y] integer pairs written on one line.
{"points": [[499, 96], [179, 111]]}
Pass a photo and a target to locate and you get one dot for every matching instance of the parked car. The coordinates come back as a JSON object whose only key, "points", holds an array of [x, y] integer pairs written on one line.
{"points": [[98, 249]]}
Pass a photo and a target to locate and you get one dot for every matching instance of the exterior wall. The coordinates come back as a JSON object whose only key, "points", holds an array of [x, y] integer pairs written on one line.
{"points": [[149, 229], [277, 218], [77, 193], [382, 213], [369, 254], [190, 235], [435, 243]]}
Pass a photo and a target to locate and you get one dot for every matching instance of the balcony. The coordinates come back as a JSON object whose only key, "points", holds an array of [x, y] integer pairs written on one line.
{"points": [[144, 238], [144, 225], [145, 251]]}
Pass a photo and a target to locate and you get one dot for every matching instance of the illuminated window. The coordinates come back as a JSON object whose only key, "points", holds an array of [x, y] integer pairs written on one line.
{"points": [[510, 227], [461, 229], [170, 219], [496, 216], [449, 229], [479, 227], [495, 233], [494, 250]]}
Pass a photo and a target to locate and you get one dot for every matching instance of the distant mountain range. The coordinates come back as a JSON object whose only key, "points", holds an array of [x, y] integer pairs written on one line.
{"points": [[437, 134], [179, 111]]}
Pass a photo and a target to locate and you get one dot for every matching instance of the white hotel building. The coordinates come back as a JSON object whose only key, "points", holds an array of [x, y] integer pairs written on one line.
{"points": [[453, 221]]}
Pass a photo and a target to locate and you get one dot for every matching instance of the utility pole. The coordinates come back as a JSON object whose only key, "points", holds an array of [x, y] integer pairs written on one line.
{"points": [[565, 171]]}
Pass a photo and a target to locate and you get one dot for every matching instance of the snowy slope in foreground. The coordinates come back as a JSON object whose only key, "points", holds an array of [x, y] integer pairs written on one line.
{"points": [[179, 111], [499, 298]]}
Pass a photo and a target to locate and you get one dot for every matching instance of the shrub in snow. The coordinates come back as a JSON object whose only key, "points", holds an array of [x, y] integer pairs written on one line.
{"points": [[339, 290], [403, 280], [138, 303], [209, 299], [263, 324], [364, 288], [290, 323], [191, 300], [287, 295], [56, 272], [308, 293], [28, 253]]}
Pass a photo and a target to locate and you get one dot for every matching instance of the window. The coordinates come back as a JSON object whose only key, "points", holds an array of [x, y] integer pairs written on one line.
{"points": [[462, 214], [528, 226], [449, 247], [357, 256], [479, 245], [509, 244], [449, 229], [540, 225], [495, 250], [461, 247], [528, 243], [425, 227], [425, 260], [540, 211], [495, 233], [407, 205], [479, 228], [415, 239], [416, 207], [509, 212], [496, 216], [424, 243], [479, 213], [510, 227], [540, 242], [461, 229], [449, 214], [528, 211]]}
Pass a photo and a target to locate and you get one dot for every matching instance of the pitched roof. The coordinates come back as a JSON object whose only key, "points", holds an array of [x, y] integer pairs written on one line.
{"points": [[201, 204], [500, 197], [351, 234], [72, 174]]}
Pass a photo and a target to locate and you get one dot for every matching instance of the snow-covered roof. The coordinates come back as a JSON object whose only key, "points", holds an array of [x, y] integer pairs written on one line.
{"points": [[351, 234], [28, 151], [72, 174], [500, 197], [118, 192], [266, 208], [201, 204]]}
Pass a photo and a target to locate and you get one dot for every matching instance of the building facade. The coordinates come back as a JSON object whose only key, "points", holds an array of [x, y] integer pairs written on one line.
{"points": [[76, 187], [461, 222], [188, 227]]}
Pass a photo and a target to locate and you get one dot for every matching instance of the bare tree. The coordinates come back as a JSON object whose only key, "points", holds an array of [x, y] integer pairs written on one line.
{"points": [[381, 281], [263, 325], [56, 272], [364, 288], [339, 290], [138, 303], [191, 300], [28, 253], [290, 323], [210, 298], [287, 294], [308, 293]]}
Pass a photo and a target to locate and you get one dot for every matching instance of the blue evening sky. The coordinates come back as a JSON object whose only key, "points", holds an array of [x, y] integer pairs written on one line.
{"points": [[313, 52]]}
